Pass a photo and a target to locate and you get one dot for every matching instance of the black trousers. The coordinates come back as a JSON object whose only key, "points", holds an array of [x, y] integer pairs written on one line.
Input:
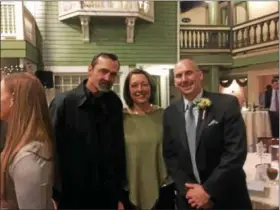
{"points": [[274, 122], [166, 200]]}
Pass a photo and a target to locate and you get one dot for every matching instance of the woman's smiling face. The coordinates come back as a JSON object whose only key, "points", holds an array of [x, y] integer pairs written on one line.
{"points": [[140, 89]]}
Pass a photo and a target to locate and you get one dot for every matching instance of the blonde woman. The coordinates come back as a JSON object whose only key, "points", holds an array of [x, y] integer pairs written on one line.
{"points": [[26, 161]]}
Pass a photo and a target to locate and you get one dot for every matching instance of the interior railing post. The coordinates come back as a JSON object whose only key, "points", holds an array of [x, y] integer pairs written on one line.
{"points": [[230, 39], [231, 24], [214, 39]]}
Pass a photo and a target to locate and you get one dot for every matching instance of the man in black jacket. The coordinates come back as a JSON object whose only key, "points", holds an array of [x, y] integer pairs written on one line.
{"points": [[272, 103], [88, 125]]}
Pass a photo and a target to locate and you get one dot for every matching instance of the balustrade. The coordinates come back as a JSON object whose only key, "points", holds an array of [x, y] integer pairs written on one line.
{"points": [[17, 23], [257, 33], [206, 37]]}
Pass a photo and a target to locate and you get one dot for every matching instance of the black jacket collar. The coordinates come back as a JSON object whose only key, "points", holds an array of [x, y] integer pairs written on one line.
{"points": [[85, 95]]}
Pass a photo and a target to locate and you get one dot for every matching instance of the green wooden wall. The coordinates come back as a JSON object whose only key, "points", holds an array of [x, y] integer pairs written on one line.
{"points": [[19, 49], [154, 43]]}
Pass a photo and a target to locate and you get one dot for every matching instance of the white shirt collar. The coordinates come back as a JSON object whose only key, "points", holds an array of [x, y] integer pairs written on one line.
{"points": [[186, 101]]}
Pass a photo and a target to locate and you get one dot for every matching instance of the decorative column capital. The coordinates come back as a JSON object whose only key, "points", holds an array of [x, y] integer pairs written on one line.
{"points": [[85, 21], [130, 25]]}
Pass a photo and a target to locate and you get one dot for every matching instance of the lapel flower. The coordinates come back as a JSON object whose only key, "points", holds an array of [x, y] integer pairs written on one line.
{"points": [[203, 104]]}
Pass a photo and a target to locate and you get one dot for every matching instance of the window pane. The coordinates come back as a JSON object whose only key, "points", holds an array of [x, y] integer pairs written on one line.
{"points": [[83, 77], [75, 80], [66, 80], [57, 80], [67, 88]]}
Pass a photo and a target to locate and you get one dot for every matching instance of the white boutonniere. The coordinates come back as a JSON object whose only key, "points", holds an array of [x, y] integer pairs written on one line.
{"points": [[203, 104]]}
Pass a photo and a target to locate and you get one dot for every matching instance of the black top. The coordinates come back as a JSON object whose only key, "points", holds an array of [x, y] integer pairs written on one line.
{"points": [[90, 148]]}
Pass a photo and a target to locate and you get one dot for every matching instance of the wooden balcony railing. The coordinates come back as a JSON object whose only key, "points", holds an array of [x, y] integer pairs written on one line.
{"points": [[258, 33], [251, 35], [209, 38], [17, 23]]}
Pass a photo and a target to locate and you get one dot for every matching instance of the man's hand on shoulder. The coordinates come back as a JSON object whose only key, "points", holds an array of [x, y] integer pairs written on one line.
{"points": [[197, 197]]}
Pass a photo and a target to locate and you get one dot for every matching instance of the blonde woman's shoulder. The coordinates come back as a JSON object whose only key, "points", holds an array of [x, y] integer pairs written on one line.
{"points": [[34, 148]]}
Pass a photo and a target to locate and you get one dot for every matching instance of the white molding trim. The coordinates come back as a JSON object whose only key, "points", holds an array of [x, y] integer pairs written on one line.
{"points": [[74, 69], [85, 26], [124, 70], [130, 27], [161, 66], [67, 69]]}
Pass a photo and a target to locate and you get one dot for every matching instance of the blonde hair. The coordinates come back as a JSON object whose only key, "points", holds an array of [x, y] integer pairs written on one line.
{"points": [[29, 119], [3, 74]]}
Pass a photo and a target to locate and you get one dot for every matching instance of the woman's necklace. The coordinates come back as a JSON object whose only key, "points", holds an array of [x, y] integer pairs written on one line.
{"points": [[151, 108]]}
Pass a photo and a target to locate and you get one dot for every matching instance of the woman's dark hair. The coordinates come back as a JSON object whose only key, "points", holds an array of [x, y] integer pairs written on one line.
{"points": [[268, 87], [126, 92]]}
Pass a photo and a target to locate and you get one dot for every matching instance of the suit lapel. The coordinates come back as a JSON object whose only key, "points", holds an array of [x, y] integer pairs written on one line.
{"points": [[202, 123], [182, 123]]}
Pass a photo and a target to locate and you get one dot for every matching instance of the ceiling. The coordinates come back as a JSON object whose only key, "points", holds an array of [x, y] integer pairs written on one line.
{"points": [[187, 5]]}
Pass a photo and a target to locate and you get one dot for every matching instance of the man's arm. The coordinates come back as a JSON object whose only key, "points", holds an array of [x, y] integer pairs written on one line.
{"points": [[267, 98], [234, 154], [56, 110], [119, 151], [170, 155]]}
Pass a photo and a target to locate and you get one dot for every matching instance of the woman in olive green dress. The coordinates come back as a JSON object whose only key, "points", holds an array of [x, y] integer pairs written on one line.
{"points": [[148, 184]]}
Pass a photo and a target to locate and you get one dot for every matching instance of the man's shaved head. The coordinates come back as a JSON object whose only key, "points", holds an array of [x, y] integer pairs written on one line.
{"points": [[188, 78], [187, 62]]}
